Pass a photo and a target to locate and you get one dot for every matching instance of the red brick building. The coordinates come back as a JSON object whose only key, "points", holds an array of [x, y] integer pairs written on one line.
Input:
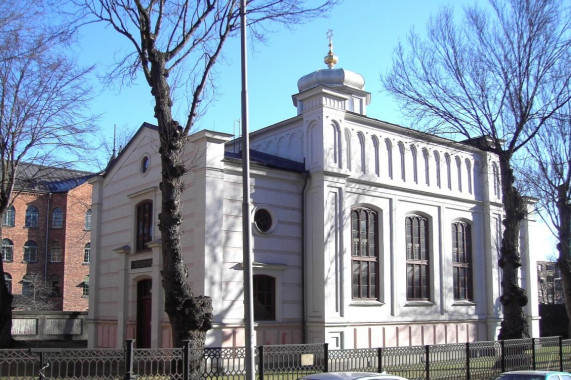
{"points": [[46, 235]]}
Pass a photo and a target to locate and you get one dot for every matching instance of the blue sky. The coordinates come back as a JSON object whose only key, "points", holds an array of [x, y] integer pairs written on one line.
{"points": [[364, 35]]}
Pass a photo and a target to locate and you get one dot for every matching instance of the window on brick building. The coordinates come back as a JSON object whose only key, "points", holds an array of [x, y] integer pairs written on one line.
{"points": [[144, 225], [7, 250], [57, 218], [87, 253], [32, 217], [85, 286], [30, 251], [28, 285], [88, 220], [9, 218], [8, 280], [54, 282], [417, 258], [55, 253], [264, 294]]}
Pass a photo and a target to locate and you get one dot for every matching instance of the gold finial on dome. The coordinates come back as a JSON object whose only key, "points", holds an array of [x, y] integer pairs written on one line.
{"points": [[330, 59]]}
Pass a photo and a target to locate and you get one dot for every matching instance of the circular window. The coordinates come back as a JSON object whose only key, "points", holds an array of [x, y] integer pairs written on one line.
{"points": [[144, 164], [263, 220]]}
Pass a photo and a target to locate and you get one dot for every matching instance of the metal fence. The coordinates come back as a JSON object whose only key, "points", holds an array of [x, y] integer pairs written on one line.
{"points": [[476, 361]]}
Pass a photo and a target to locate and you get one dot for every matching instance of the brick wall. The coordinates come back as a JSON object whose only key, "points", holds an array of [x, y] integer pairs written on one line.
{"points": [[71, 237]]}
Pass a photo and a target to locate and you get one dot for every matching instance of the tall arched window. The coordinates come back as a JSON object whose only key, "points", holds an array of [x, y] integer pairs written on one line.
{"points": [[417, 258], [462, 260], [87, 253], [469, 175], [448, 170], [364, 254], [32, 217], [348, 149], [459, 172], [9, 219], [55, 253], [496, 179], [144, 222], [88, 220], [414, 163], [426, 156], [264, 297], [57, 218], [30, 251], [7, 250]]}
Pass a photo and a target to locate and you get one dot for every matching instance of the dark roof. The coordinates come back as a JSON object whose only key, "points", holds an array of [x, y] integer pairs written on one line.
{"points": [[32, 177], [270, 160]]}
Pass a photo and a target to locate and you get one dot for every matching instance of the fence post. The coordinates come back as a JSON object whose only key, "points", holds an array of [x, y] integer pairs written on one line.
{"points": [[261, 360], [129, 345], [533, 353], [325, 357], [427, 361], [468, 360], [561, 353], [380, 359], [503, 356], [186, 360]]}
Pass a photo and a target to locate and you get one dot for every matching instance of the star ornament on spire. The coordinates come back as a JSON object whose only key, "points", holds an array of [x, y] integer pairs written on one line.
{"points": [[330, 59]]}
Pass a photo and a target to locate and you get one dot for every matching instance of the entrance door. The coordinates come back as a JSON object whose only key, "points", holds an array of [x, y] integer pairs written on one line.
{"points": [[144, 298]]}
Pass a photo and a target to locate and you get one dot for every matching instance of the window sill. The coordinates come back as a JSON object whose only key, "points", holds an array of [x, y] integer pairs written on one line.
{"points": [[463, 303], [419, 303], [367, 303]]}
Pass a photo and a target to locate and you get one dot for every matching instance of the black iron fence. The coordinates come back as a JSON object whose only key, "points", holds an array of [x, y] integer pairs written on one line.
{"points": [[476, 361]]}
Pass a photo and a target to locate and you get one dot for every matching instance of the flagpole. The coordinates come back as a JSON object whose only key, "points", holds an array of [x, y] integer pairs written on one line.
{"points": [[246, 223]]}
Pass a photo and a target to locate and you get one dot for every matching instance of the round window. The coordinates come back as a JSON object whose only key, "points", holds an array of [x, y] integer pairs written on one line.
{"points": [[144, 164], [263, 220]]}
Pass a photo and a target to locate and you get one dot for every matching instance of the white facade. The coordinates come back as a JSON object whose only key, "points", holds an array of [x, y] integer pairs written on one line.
{"points": [[310, 173]]}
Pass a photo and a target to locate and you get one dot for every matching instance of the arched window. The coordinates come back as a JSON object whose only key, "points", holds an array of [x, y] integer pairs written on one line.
{"points": [[496, 174], [55, 253], [88, 220], [32, 217], [57, 218], [144, 231], [348, 148], [364, 254], [336, 148], [264, 297], [30, 252], [417, 258], [7, 250], [85, 286], [462, 260], [9, 219], [87, 253], [8, 280]]}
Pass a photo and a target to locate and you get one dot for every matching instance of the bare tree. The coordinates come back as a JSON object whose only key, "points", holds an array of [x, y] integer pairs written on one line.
{"points": [[548, 174], [42, 99], [166, 37], [37, 294], [500, 73]]}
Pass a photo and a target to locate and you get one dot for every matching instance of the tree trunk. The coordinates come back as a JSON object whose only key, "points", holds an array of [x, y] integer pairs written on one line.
{"points": [[564, 246], [6, 299], [513, 298], [190, 316]]}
